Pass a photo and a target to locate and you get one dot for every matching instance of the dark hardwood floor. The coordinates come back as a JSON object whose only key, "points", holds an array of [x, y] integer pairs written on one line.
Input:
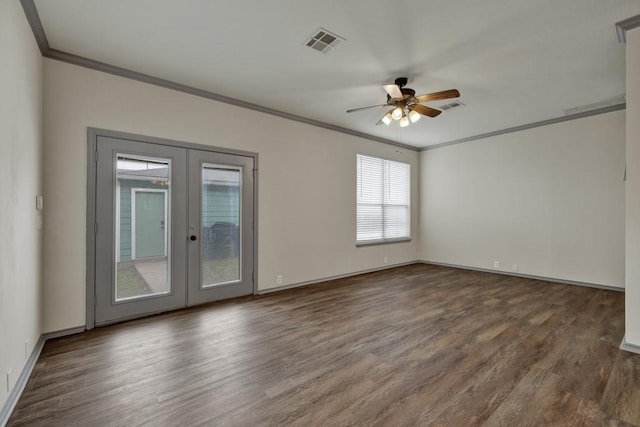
{"points": [[416, 345]]}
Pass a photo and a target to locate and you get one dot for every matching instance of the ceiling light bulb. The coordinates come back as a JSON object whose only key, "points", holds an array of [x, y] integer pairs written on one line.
{"points": [[397, 113], [414, 116], [387, 119], [404, 122]]}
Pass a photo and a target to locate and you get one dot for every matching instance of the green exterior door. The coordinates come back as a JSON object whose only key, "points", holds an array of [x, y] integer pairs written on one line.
{"points": [[149, 211]]}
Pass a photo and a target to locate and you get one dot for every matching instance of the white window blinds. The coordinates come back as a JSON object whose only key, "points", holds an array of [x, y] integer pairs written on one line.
{"points": [[383, 193]]}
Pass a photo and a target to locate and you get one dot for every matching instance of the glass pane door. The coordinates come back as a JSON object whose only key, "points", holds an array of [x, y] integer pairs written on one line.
{"points": [[221, 221], [174, 227], [140, 240]]}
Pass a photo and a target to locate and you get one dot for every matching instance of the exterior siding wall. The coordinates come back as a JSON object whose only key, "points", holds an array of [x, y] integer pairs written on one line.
{"points": [[222, 204]]}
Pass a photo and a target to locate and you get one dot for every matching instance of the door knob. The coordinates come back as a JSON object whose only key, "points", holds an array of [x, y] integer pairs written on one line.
{"points": [[192, 237]]}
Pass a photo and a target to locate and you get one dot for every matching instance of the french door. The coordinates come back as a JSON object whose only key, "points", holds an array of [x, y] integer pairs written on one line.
{"points": [[173, 227]]}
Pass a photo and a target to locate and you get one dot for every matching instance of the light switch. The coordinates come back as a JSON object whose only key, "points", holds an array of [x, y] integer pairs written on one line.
{"points": [[39, 202]]}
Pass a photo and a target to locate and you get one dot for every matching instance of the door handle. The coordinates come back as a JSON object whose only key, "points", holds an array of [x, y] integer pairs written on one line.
{"points": [[192, 237]]}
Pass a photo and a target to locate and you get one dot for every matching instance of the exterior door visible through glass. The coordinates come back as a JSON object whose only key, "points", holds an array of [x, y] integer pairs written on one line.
{"points": [[149, 252], [149, 211], [143, 227]]}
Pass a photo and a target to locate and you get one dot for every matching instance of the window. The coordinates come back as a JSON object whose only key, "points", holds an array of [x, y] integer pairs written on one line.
{"points": [[383, 195]]}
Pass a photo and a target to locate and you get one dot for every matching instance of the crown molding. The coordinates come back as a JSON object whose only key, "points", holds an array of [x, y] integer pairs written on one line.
{"points": [[38, 31], [581, 115], [33, 18], [626, 25]]}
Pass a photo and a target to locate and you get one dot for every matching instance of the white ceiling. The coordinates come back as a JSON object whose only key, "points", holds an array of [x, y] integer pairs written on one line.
{"points": [[515, 62]]}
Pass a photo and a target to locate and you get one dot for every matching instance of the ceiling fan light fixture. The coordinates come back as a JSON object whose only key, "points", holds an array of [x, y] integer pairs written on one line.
{"points": [[408, 108]]}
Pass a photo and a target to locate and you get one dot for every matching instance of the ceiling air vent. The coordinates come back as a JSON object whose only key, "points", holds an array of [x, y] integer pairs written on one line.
{"points": [[450, 105], [323, 40]]}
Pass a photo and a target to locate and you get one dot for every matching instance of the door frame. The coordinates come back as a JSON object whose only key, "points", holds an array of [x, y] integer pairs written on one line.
{"points": [[91, 225], [134, 192]]}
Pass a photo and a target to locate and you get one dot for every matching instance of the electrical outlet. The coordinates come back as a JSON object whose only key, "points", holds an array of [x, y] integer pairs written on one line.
{"points": [[496, 264], [279, 279], [8, 380], [386, 260], [515, 267]]}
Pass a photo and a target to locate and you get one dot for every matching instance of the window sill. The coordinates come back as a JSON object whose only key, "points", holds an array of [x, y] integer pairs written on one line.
{"points": [[382, 242]]}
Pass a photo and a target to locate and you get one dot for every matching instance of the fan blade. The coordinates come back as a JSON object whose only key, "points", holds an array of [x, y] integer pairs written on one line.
{"points": [[380, 121], [435, 96], [423, 109], [393, 91], [364, 108]]}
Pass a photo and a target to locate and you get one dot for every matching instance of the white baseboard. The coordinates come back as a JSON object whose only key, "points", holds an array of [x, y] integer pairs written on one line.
{"points": [[14, 396], [528, 276], [63, 333], [339, 276], [463, 267], [624, 345]]}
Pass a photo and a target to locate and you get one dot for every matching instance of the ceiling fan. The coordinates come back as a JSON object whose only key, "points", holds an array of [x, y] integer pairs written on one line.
{"points": [[406, 105]]}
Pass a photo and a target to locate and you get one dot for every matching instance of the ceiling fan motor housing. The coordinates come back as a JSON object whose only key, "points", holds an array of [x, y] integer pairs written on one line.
{"points": [[406, 92], [401, 82]]}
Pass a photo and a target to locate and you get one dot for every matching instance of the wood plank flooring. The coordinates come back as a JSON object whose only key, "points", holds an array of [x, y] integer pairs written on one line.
{"points": [[415, 345]]}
